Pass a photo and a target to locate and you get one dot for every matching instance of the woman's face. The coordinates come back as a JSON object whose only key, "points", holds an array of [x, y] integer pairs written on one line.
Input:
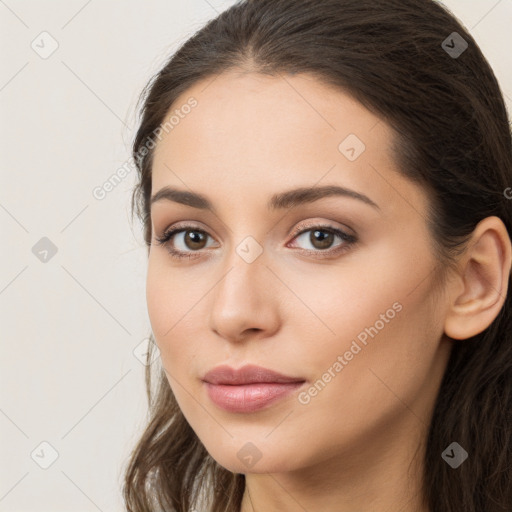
{"points": [[333, 290]]}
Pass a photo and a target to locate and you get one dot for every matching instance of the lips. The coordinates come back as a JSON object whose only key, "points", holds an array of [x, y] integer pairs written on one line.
{"points": [[249, 388], [249, 374]]}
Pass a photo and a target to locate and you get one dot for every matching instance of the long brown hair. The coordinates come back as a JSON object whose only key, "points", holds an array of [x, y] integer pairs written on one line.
{"points": [[402, 61]]}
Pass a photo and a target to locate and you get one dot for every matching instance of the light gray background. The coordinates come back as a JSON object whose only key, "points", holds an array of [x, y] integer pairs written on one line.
{"points": [[70, 325]]}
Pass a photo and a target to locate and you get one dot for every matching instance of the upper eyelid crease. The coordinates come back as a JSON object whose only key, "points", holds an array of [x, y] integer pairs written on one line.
{"points": [[283, 200]]}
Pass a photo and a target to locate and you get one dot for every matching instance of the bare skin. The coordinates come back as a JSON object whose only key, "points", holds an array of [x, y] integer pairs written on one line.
{"points": [[300, 305]]}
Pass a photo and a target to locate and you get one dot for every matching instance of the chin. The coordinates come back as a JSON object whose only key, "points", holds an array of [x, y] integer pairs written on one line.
{"points": [[248, 460]]}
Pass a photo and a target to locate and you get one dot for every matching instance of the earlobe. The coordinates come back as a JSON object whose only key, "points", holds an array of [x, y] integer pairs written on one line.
{"points": [[485, 269]]}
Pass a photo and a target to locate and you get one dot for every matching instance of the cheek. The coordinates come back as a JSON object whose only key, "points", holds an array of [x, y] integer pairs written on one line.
{"points": [[378, 315], [175, 309], [166, 300], [161, 300], [339, 303], [165, 305], [385, 344]]}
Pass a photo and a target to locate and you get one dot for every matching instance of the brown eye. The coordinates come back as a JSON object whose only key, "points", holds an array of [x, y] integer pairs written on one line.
{"points": [[321, 239], [194, 239], [184, 242]]}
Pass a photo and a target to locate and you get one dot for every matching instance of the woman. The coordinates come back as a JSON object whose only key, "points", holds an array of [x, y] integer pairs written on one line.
{"points": [[323, 191]]}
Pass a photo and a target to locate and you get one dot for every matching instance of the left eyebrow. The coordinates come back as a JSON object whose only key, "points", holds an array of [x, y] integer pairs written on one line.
{"points": [[300, 196], [289, 199]]}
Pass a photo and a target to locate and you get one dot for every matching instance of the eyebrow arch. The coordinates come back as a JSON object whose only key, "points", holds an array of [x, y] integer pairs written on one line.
{"points": [[289, 199]]}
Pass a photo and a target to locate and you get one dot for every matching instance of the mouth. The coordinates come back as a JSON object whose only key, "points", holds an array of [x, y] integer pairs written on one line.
{"points": [[249, 388], [248, 374]]}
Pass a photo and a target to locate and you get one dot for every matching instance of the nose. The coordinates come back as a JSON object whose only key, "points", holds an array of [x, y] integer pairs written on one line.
{"points": [[245, 301]]}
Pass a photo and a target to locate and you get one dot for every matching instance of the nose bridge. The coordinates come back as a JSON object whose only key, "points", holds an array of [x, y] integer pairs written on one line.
{"points": [[244, 273], [243, 297]]}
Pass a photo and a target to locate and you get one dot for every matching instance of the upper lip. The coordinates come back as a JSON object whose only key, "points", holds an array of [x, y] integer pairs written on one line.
{"points": [[248, 374]]}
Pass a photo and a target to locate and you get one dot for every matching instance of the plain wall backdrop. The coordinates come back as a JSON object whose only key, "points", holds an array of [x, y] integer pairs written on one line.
{"points": [[72, 276]]}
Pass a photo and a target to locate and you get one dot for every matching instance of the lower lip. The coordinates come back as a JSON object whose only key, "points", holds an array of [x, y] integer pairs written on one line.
{"points": [[249, 397]]}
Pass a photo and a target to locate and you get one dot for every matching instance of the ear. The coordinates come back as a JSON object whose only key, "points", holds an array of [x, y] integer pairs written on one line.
{"points": [[479, 290]]}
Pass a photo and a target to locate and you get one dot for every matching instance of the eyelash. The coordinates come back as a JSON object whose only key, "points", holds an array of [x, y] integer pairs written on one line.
{"points": [[349, 240]]}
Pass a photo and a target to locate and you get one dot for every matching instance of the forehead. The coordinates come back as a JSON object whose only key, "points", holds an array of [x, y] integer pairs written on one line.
{"points": [[252, 110], [257, 133]]}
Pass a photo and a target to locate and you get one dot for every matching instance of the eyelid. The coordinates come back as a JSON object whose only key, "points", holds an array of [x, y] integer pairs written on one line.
{"points": [[349, 239], [302, 226], [307, 225]]}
